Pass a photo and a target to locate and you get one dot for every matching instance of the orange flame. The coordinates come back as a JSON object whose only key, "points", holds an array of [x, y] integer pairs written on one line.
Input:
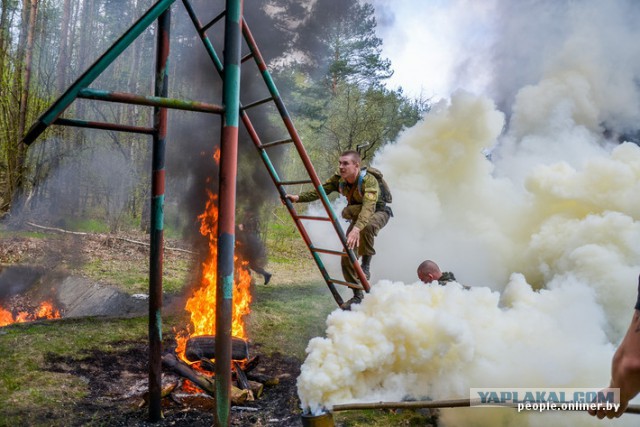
{"points": [[202, 304], [46, 310]]}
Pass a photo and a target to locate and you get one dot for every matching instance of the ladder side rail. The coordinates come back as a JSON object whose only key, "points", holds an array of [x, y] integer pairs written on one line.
{"points": [[63, 102], [347, 284], [295, 139], [273, 173], [266, 160], [253, 47], [205, 40]]}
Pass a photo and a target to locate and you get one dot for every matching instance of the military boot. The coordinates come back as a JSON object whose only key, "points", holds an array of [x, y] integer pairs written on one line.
{"points": [[358, 295], [365, 264]]}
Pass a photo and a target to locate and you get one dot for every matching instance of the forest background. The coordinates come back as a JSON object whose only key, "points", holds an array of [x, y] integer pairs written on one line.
{"points": [[325, 58]]}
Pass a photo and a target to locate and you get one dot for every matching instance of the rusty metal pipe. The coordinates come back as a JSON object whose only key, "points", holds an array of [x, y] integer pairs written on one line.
{"points": [[227, 206], [432, 404], [152, 101], [103, 126], [326, 418], [157, 221]]}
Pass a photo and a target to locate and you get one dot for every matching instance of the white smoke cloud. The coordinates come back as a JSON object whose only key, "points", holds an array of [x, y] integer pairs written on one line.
{"points": [[445, 340], [546, 232], [430, 44]]}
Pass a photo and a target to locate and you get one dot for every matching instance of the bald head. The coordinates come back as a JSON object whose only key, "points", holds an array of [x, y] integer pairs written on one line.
{"points": [[428, 271]]}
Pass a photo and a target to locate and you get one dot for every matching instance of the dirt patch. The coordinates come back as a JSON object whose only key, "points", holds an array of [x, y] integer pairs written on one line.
{"points": [[117, 383]]}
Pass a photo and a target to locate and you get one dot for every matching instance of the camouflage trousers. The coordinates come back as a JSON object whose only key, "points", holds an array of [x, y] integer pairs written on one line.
{"points": [[367, 238]]}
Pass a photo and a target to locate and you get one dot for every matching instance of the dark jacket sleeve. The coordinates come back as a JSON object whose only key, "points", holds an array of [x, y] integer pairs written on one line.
{"points": [[638, 300]]}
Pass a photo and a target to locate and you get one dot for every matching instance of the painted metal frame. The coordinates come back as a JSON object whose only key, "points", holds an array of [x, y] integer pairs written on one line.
{"points": [[232, 111]]}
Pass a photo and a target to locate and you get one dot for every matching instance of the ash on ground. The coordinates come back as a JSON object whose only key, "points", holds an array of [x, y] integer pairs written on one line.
{"points": [[118, 383]]}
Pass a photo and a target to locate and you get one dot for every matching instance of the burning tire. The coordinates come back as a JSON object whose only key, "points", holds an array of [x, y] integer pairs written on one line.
{"points": [[204, 347]]}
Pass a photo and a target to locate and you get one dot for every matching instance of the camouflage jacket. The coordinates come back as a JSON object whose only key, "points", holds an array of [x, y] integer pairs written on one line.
{"points": [[360, 208], [446, 277]]}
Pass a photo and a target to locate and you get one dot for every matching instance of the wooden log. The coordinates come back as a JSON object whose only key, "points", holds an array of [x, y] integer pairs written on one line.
{"points": [[238, 396], [251, 363], [166, 391], [257, 388], [264, 379], [207, 365], [241, 377], [80, 233]]}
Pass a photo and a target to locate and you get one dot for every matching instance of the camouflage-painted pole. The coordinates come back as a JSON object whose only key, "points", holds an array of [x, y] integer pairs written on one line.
{"points": [[227, 206], [157, 219]]}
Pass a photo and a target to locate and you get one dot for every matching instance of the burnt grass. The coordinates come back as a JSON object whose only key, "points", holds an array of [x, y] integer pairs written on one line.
{"points": [[117, 383]]}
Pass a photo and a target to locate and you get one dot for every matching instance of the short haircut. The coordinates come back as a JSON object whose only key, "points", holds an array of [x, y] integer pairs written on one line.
{"points": [[355, 156], [428, 266]]}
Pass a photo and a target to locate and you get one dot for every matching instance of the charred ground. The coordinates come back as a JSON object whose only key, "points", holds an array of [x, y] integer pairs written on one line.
{"points": [[117, 383]]}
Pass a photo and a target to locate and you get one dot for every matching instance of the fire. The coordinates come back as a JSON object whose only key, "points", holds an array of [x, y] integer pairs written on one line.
{"points": [[202, 304], [46, 310]]}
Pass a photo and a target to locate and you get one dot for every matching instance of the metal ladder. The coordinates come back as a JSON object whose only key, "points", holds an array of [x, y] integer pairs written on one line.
{"points": [[80, 89], [293, 138]]}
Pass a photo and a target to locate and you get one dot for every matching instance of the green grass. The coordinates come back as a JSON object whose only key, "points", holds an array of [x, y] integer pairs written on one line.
{"points": [[5, 234], [177, 275], [379, 418], [88, 226], [28, 391], [133, 277], [285, 317], [283, 241], [130, 277]]}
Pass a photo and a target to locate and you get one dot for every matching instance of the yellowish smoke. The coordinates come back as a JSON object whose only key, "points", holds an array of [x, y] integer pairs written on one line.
{"points": [[552, 260]]}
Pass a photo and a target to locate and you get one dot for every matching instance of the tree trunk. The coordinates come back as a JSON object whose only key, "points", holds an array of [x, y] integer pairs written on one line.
{"points": [[87, 34], [24, 98], [17, 153], [4, 33], [63, 59]]}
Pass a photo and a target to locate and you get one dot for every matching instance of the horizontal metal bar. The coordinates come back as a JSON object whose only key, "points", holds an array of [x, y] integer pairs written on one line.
{"points": [[62, 103], [104, 126], [305, 181], [247, 57], [445, 403], [274, 143], [256, 103], [213, 22], [329, 251], [153, 101], [349, 284], [448, 403], [314, 218]]}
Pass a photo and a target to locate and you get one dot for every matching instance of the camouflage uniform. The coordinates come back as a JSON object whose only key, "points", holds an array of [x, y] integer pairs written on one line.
{"points": [[364, 211], [446, 277]]}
